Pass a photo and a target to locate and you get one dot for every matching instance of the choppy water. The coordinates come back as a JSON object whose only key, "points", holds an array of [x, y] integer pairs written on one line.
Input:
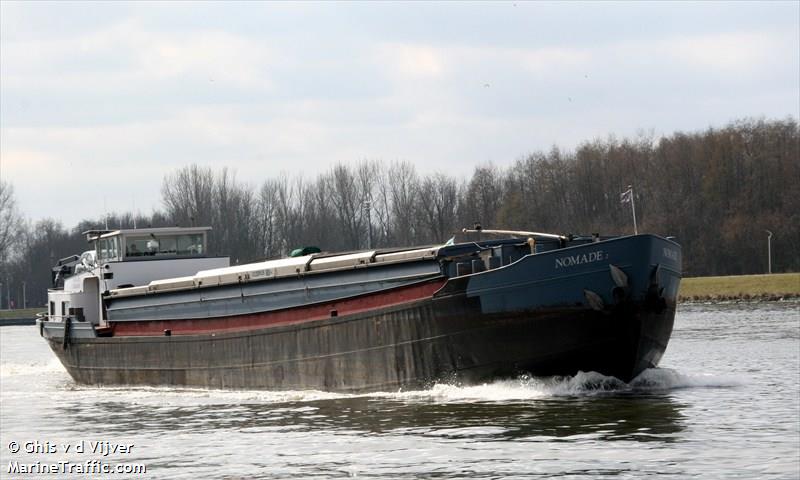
{"points": [[726, 404]]}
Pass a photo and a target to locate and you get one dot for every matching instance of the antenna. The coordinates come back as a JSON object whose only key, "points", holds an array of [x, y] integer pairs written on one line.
{"points": [[105, 212], [134, 212]]}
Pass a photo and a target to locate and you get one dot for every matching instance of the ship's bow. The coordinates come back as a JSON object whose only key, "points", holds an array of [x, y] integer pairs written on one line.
{"points": [[607, 306]]}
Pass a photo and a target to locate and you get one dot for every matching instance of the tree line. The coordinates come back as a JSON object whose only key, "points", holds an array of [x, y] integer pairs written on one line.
{"points": [[718, 191]]}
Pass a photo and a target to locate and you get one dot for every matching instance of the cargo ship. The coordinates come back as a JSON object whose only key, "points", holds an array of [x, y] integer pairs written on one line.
{"points": [[151, 307]]}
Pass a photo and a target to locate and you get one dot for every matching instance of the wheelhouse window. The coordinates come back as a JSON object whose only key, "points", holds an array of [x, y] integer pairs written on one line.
{"points": [[108, 249], [190, 244], [164, 245]]}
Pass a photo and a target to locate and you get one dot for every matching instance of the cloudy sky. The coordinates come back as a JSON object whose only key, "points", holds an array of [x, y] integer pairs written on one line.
{"points": [[98, 101]]}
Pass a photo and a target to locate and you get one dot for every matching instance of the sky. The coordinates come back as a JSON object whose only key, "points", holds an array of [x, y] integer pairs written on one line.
{"points": [[99, 101]]}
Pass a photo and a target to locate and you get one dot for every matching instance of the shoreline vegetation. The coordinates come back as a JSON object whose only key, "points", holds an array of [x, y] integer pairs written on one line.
{"points": [[768, 287], [731, 288], [726, 194]]}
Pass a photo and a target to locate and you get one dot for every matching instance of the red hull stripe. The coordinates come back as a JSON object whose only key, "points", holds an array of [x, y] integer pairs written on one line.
{"points": [[279, 317]]}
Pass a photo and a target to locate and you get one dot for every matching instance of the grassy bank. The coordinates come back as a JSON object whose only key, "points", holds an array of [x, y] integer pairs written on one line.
{"points": [[21, 313], [741, 287]]}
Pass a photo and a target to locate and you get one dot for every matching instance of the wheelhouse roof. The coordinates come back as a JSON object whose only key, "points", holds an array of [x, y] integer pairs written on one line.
{"points": [[92, 235]]}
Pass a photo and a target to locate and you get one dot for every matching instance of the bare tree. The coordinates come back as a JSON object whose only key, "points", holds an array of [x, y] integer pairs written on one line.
{"points": [[382, 208], [438, 202], [188, 195], [347, 200], [199, 196], [484, 195], [10, 220], [266, 220], [404, 189]]}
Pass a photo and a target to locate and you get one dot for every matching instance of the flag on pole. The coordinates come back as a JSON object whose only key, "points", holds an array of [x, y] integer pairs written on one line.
{"points": [[625, 197]]}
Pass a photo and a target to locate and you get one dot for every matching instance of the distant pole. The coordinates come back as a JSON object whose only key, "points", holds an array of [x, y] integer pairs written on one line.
{"points": [[769, 251], [24, 296], [1, 295], [367, 206]]}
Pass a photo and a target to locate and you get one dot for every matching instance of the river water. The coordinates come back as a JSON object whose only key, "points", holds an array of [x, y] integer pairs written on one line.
{"points": [[725, 404]]}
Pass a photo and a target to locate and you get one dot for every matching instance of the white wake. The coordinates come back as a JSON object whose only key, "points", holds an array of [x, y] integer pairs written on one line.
{"points": [[524, 388]]}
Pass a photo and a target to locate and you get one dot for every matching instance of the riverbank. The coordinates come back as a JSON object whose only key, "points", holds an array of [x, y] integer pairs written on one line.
{"points": [[20, 316], [778, 286]]}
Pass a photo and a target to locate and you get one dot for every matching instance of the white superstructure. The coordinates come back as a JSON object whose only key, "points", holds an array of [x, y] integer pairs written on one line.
{"points": [[125, 258]]}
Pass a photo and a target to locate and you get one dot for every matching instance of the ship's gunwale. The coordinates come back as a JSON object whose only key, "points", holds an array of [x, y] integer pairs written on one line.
{"points": [[278, 328], [423, 277]]}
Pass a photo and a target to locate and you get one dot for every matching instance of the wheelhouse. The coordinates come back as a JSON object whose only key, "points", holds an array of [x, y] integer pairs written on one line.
{"points": [[148, 243]]}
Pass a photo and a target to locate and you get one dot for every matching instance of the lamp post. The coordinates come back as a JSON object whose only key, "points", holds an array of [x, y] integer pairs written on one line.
{"points": [[769, 251], [24, 296]]}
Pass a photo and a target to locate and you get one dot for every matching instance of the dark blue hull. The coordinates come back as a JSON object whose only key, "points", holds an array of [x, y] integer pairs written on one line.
{"points": [[536, 316]]}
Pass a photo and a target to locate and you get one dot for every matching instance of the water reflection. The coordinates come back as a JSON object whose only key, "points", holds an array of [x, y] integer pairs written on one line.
{"points": [[612, 417]]}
